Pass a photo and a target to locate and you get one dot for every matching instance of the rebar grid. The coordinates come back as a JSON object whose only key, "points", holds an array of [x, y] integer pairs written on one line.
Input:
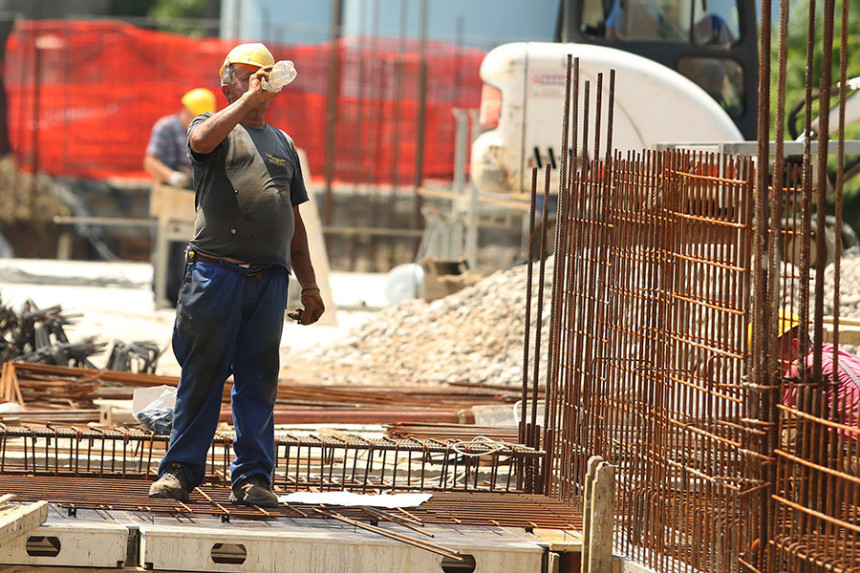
{"points": [[816, 493], [654, 259], [654, 309], [812, 521], [671, 269], [303, 462], [452, 507]]}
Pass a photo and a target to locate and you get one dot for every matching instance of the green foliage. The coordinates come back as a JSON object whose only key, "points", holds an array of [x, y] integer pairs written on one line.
{"points": [[178, 9], [797, 75], [180, 15], [796, 63]]}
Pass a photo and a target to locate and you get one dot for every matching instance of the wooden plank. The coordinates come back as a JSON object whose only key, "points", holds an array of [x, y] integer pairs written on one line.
{"points": [[316, 245], [4, 382], [596, 556], [171, 203], [18, 520], [16, 386], [9, 387], [843, 321], [847, 334]]}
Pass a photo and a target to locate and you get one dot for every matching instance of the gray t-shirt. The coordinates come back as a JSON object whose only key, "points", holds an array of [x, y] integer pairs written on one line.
{"points": [[245, 193]]}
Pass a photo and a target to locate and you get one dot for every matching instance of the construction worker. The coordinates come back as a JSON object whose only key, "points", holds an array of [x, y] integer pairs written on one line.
{"points": [[168, 163], [166, 159], [847, 390], [249, 235]]}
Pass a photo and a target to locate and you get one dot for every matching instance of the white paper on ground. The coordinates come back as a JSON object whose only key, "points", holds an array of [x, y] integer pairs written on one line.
{"points": [[354, 499]]}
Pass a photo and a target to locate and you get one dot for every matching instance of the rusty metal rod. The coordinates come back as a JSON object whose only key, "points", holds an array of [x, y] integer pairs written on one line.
{"points": [[433, 547]]}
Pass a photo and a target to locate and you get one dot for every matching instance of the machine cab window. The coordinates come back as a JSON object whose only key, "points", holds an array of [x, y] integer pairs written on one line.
{"points": [[701, 39], [700, 22]]}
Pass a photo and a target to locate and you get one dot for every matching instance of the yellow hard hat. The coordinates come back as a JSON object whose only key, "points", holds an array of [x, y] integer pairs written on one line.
{"points": [[199, 101], [254, 54], [787, 322]]}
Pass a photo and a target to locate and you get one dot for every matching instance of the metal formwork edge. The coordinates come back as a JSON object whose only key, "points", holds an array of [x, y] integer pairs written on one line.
{"points": [[76, 545], [330, 550]]}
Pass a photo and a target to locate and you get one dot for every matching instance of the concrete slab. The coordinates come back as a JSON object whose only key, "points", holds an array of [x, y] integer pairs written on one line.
{"points": [[203, 543], [331, 549]]}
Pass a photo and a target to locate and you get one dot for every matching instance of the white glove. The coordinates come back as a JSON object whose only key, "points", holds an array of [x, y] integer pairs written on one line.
{"points": [[178, 179]]}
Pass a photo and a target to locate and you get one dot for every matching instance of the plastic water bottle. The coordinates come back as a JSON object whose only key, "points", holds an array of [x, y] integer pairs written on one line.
{"points": [[282, 73]]}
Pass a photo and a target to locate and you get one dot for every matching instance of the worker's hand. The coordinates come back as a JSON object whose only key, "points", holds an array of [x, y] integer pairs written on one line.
{"points": [[255, 85], [179, 179], [313, 303]]}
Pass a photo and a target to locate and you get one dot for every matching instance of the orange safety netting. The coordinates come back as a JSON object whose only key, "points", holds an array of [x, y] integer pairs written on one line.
{"points": [[83, 96]]}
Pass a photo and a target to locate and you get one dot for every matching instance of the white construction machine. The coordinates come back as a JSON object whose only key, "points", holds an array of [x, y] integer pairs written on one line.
{"points": [[686, 72]]}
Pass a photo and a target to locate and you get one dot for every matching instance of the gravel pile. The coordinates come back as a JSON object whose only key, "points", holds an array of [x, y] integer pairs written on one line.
{"points": [[474, 335], [849, 286]]}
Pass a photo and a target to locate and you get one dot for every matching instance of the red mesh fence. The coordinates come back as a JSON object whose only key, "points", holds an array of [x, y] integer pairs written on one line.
{"points": [[83, 96]]}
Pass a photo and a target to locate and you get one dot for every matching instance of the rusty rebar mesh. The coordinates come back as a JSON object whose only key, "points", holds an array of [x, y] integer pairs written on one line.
{"points": [[816, 497], [817, 493], [655, 258], [119, 494], [321, 462], [671, 270], [654, 306], [812, 519], [817, 481]]}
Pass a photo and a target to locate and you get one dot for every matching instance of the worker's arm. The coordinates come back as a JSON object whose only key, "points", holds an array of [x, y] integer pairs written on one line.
{"points": [[300, 258], [161, 173], [204, 138]]}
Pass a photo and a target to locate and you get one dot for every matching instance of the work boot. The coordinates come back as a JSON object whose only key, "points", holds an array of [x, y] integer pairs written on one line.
{"points": [[253, 491], [172, 484]]}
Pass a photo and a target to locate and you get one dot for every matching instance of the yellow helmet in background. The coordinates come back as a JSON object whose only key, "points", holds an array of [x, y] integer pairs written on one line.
{"points": [[199, 101], [254, 54], [787, 322]]}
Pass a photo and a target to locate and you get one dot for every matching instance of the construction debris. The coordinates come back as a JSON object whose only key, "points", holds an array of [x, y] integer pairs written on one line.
{"points": [[70, 394], [320, 462], [38, 336], [476, 335], [849, 300]]}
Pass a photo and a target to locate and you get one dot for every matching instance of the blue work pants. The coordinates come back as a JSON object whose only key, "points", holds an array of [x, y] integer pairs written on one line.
{"points": [[229, 319]]}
